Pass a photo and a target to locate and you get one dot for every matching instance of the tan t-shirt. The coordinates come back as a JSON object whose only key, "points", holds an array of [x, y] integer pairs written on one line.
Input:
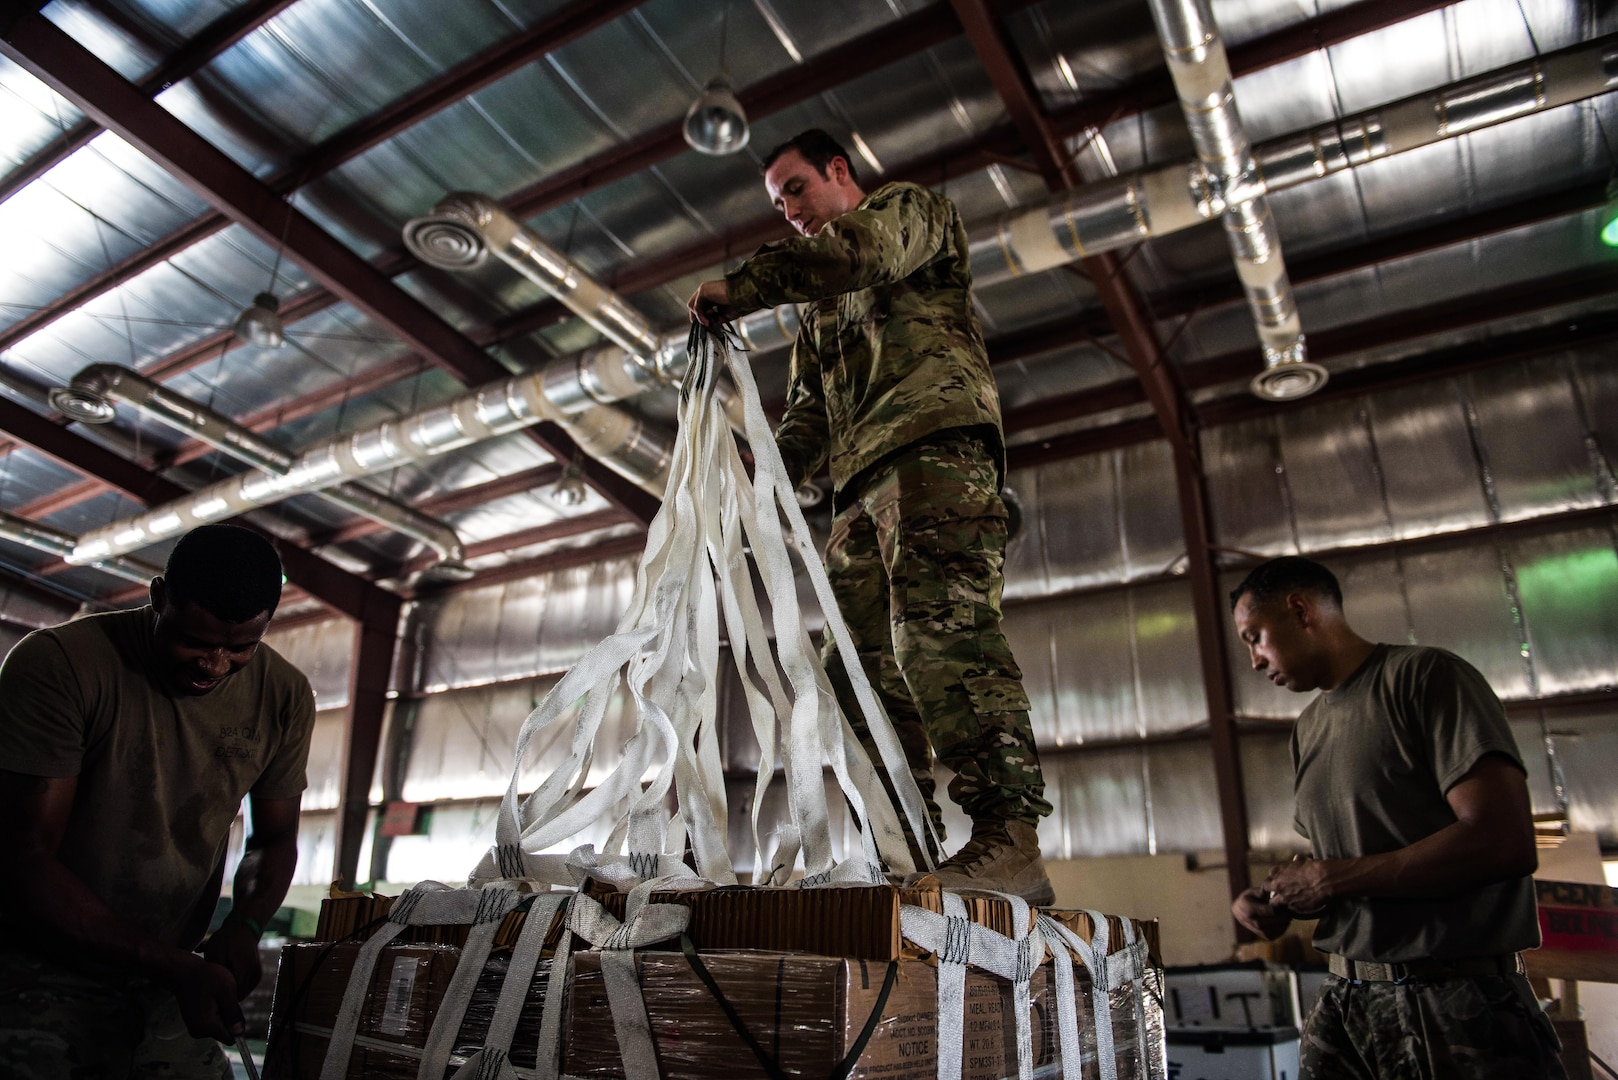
{"points": [[1374, 759], [160, 778]]}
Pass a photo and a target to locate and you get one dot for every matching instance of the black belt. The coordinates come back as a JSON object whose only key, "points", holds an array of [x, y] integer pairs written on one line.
{"points": [[1472, 968]]}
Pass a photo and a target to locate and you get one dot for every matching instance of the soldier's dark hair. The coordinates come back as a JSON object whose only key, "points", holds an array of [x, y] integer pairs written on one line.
{"points": [[817, 148], [230, 572], [1277, 578]]}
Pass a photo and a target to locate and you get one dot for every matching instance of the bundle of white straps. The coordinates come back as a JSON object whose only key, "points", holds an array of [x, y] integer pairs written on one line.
{"points": [[693, 589]]}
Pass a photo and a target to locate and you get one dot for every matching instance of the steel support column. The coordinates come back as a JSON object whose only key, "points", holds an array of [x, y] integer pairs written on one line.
{"points": [[375, 640], [1173, 413]]}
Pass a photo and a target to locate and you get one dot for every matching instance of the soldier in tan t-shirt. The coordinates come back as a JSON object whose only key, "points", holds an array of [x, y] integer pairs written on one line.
{"points": [[127, 744], [1414, 798]]}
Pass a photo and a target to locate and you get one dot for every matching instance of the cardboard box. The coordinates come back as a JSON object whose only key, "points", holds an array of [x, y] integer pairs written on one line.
{"points": [[1579, 927], [406, 987], [806, 1012], [859, 922], [1234, 1055]]}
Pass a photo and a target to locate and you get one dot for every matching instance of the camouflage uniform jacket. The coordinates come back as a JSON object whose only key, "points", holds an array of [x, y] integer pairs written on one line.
{"points": [[889, 350]]}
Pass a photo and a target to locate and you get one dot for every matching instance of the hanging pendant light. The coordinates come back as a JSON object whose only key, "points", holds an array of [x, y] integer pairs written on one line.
{"points": [[569, 489], [715, 123], [260, 323]]}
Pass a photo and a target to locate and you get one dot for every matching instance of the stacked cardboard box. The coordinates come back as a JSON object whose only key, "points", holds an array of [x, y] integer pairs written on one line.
{"points": [[800, 972]]}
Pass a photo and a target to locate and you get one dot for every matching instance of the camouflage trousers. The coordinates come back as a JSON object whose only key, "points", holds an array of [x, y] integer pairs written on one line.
{"points": [[58, 1023], [915, 559], [1485, 1028]]}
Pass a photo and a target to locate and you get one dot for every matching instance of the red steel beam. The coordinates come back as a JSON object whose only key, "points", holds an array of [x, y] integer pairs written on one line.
{"points": [[375, 642], [67, 67], [450, 502], [562, 560], [539, 534]]}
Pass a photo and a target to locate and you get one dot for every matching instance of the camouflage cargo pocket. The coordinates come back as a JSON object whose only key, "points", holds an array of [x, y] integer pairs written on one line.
{"points": [[992, 694]]}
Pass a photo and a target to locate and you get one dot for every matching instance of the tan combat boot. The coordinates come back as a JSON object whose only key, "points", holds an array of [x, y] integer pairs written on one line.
{"points": [[1003, 856]]}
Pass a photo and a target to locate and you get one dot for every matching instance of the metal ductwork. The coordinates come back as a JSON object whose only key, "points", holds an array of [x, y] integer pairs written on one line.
{"points": [[466, 227], [626, 443], [56, 542], [89, 397], [1201, 74], [1124, 210]]}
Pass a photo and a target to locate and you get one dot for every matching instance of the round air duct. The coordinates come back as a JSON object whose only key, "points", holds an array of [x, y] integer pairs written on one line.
{"points": [[1288, 380], [85, 406], [449, 237]]}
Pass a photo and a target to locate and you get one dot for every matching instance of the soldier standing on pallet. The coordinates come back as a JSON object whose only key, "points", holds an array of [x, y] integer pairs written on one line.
{"points": [[890, 386], [127, 743]]}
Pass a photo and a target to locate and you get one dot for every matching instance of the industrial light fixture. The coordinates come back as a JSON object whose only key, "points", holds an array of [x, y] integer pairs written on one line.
{"points": [[569, 489], [1609, 215], [260, 323], [715, 123]]}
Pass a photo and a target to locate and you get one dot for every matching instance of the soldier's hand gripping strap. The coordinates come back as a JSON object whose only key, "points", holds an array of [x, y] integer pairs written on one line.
{"points": [[957, 942]]}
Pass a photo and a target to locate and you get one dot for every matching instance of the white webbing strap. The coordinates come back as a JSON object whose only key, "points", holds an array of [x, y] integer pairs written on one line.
{"points": [[958, 942], [1131, 963], [644, 924], [1065, 944], [493, 905], [490, 1061], [403, 913]]}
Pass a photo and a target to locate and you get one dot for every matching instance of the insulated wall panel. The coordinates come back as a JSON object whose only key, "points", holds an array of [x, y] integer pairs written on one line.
{"points": [[1459, 602], [1568, 582], [1184, 798], [1102, 801], [1170, 675], [327, 749], [1429, 469], [1532, 435], [1267, 781], [1084, 644], [324, 652], [1247, 496], [1586, 744], [1153, 536], [1332, 476], [536, 626], [464, 741]]}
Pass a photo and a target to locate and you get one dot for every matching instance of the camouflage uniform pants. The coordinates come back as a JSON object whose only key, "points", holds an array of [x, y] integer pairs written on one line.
{"points": [[58, 1023], [915, 561], [1484, 1028]]}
